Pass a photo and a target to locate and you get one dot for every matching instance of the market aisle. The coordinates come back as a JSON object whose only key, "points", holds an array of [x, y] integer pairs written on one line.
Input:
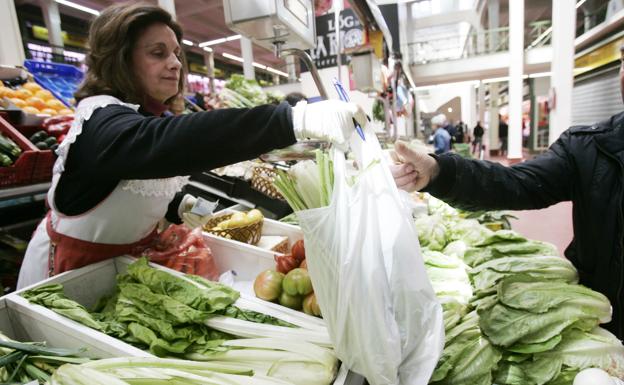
{"points": [[552, 224]]}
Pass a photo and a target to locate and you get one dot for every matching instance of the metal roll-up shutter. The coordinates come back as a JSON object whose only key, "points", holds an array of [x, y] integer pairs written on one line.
{"points": [[596, 97]]}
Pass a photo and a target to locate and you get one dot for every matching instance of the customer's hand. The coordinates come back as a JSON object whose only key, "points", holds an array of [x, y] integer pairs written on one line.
{"points": [[414, 170], [330, 120]]}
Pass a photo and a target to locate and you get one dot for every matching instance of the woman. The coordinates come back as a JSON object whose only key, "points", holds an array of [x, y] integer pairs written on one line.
{"points": [[118, 170]]}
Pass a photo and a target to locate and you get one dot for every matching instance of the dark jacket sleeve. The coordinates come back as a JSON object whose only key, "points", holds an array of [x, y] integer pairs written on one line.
{"points": [[482, 185], [119, 143]]}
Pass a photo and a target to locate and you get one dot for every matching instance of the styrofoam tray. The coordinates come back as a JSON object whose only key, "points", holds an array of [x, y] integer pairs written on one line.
{"points": [[85, 286]]}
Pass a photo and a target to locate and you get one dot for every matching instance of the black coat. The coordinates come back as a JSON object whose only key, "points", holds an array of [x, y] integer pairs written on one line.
{"points": [[585, 165]]}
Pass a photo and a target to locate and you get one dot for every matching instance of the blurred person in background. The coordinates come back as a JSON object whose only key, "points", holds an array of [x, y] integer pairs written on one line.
{"points": [[584, 165], [477, 133], [441, 137], [503, 133]]}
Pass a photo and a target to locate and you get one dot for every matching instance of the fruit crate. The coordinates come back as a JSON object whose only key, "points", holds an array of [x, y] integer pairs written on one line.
{"points": [[32, 166], [60, 79]]}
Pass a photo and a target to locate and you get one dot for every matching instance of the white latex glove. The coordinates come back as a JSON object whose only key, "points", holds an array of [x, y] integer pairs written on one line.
{"points": [[330, 120]]}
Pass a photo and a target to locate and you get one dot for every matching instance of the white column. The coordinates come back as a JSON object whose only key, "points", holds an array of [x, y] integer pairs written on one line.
{"points": [[562, 66], [247, 53], [11, 46], [209, 62], [169, 6], [493, 122], [493, 22], [481, 96], [516, 73], [52, 19], [481, 113]]}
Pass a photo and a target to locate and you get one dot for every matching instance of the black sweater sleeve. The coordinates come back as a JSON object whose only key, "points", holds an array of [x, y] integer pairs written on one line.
{"points": [[119, 143], [482, 185]]}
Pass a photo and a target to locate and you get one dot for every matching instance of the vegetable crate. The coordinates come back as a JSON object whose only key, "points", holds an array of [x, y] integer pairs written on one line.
{"points": [[32, 166], [7, 325], [86, 285], [60, 79]]}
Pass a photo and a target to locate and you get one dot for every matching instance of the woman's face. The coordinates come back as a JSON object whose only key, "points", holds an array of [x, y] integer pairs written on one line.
{"points": [[156, 62]]}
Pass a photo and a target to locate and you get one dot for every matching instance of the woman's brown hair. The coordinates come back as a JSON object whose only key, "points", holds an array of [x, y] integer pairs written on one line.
{"points": [[112, 37]]}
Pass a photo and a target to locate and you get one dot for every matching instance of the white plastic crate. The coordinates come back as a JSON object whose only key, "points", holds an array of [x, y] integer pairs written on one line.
{"points": [[6, 325], [86, 286], [245, 259]]}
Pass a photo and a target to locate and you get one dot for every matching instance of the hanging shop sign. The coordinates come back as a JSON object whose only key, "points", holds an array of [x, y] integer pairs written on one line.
{"points": [[604, 54], [351, 35]]}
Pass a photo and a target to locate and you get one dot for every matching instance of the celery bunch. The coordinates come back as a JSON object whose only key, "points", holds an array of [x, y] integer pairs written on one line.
{"points": [[308, 184]]}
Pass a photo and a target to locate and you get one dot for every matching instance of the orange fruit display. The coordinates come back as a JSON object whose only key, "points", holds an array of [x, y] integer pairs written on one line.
{"points": [[55, 104], [44, 94], [9, 93], [49, 111], [19, 103], [31, 86], [30, 110], [23, 94], [65, 111], [36, 102]]}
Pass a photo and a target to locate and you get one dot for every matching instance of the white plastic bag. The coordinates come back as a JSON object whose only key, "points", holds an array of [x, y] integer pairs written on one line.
{"points": [[369, 277]]}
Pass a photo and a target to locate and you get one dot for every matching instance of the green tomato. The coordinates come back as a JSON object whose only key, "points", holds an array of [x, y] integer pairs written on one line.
{"points": [[310, 306], [291, 301], [297, 282], [268, 285]]}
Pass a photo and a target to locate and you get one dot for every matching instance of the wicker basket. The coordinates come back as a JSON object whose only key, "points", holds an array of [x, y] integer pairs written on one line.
{"points": [[262, 180], [248, 234]]}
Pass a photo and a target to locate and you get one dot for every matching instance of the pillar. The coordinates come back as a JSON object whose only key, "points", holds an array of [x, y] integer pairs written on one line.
{"points": [[169, 6], [493, 22], [516, 74], [209, 62], [11, 46], [493, 121], [52, 19], [481, 97], [247, 53], [562, 67]]}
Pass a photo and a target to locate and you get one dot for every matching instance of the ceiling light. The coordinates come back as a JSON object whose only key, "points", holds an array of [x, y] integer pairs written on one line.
{"points": [[78, 7], [284, 74], [219, 41], [450, 109], [232, 57], [207, 49], [187, 42], [580, 3], [258, 65]]}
